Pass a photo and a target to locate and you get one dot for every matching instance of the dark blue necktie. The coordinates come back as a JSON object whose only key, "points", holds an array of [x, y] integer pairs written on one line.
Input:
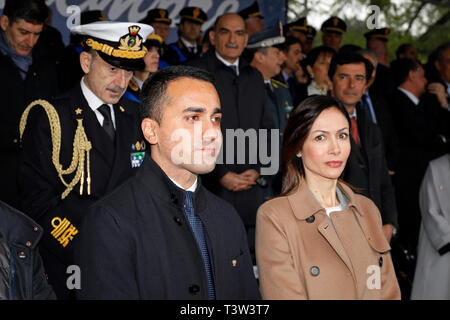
{"points": [[197, 228], [234, 68]]}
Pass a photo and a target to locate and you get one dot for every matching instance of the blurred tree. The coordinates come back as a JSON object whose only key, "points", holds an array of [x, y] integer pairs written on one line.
{"points": [[424, 23]]}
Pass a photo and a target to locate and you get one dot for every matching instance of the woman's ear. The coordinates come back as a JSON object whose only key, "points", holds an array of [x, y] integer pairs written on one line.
{"points": [[150, 130], [310, 71]]}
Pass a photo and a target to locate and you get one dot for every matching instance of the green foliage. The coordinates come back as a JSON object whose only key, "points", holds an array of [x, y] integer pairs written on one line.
{"points": [[423, 24]]}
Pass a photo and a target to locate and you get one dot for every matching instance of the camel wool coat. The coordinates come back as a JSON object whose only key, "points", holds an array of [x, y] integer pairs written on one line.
{"points": [[302, 254]]}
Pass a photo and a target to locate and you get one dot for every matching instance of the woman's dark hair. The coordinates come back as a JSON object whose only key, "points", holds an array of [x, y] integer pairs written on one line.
{"points": [[295, 133], [32, 11], [315, 53]]}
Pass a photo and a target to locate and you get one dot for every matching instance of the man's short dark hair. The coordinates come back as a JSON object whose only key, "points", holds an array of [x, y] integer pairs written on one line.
{"points": [[288, 42], [349, 58], [440, 51], [401, 68], [153, 94], [402, 49], [32, 11]]}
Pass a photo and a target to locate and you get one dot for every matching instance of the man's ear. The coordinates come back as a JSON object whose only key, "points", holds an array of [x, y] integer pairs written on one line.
{"points": [[86, 61], [211, 35], [4, 22], [150, 130], [437, 65]]}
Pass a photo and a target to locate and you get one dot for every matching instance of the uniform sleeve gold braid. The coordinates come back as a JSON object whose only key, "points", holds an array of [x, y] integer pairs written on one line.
{"points": [[110, 51], [81, 148]]}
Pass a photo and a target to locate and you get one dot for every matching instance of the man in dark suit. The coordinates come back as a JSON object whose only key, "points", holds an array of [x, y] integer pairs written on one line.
{"points": [[376, 41], [162, 235], [27, 72], [189, 31], [92, 145], [377, 108], [420, 124], [243, 99], [366, 167]]}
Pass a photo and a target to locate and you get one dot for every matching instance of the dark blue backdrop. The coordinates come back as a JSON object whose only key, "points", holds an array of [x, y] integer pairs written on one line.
{"points": [[135, 10]]}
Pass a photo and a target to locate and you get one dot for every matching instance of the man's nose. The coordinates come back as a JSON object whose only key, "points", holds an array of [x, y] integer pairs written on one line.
{"points": [[122, 78]]}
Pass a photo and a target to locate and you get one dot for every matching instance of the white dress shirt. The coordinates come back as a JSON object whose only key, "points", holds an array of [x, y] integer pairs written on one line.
{"points": [[411, 97], [94, 103], [189, 45], [191, 188], [225, 62]]}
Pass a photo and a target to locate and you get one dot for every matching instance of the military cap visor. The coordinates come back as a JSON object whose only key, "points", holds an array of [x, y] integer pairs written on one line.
{"points": [[157, 15], [266, 38], [193, 14], [335, 25], [251, 12], [382, 34], [118, 43]]}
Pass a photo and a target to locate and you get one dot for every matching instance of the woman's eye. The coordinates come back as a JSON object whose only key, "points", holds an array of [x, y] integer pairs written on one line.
{"points": [[320, 138], [343, 135]]}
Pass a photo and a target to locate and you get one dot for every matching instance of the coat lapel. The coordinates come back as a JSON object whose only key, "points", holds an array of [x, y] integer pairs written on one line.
{"points": [[326, 229]]}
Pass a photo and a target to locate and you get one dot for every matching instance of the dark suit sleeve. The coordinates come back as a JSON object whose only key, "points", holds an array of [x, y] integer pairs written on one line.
{"points": [[105, 257], [41, 289], [388, 204], [40, 186]]}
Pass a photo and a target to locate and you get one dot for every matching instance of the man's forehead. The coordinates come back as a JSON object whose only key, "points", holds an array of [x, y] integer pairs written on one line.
{"points": [[27, 26], [359, 68], [231, 22]]}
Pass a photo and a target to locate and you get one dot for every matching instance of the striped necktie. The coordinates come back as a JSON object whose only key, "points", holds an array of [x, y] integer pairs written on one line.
{"points": [[198, 230]]}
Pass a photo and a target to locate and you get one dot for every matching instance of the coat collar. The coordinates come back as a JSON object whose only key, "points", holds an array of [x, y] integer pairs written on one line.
{"points": [[159, 184], [305, 205], [17, 228]]}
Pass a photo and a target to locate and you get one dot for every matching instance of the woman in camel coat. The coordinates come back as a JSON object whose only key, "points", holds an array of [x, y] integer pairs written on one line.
{"points": [[318, 239]]}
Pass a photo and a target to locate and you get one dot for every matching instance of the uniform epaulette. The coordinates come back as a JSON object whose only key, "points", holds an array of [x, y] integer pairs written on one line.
{"points": [[276, 82]]}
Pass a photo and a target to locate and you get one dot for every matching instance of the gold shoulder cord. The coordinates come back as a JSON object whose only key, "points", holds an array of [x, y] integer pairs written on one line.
{"points": [[81, 145]]}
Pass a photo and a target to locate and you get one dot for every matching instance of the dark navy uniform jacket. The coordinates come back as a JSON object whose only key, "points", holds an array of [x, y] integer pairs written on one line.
{"points": [[41, 187]]}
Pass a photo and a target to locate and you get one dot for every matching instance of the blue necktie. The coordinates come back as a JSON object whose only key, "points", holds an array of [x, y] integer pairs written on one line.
{"points": [[197, 228], [234, 68]]}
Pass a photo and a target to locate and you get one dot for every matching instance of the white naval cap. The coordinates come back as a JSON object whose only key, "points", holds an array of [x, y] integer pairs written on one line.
{"points": [[118, 43]]}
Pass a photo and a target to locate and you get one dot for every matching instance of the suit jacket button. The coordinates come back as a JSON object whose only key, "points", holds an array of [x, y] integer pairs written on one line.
{"points": [[194, 289], [314, 271], [310, 219], [177, 220], [380, 262]]}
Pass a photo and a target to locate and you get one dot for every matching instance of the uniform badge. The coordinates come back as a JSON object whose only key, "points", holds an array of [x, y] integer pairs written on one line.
{"points": [[63, 230], [78, 111], [138, 154]]}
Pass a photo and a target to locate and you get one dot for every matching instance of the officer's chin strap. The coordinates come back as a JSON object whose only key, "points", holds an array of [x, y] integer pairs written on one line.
{"points": [[81, 148]]}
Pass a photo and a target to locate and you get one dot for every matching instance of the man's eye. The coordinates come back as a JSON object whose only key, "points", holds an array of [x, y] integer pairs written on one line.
{"points": [[193, 118], [217, 119]]}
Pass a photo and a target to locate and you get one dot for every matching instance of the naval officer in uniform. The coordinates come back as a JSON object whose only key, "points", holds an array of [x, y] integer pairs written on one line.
{"points": [[83, 144]]}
